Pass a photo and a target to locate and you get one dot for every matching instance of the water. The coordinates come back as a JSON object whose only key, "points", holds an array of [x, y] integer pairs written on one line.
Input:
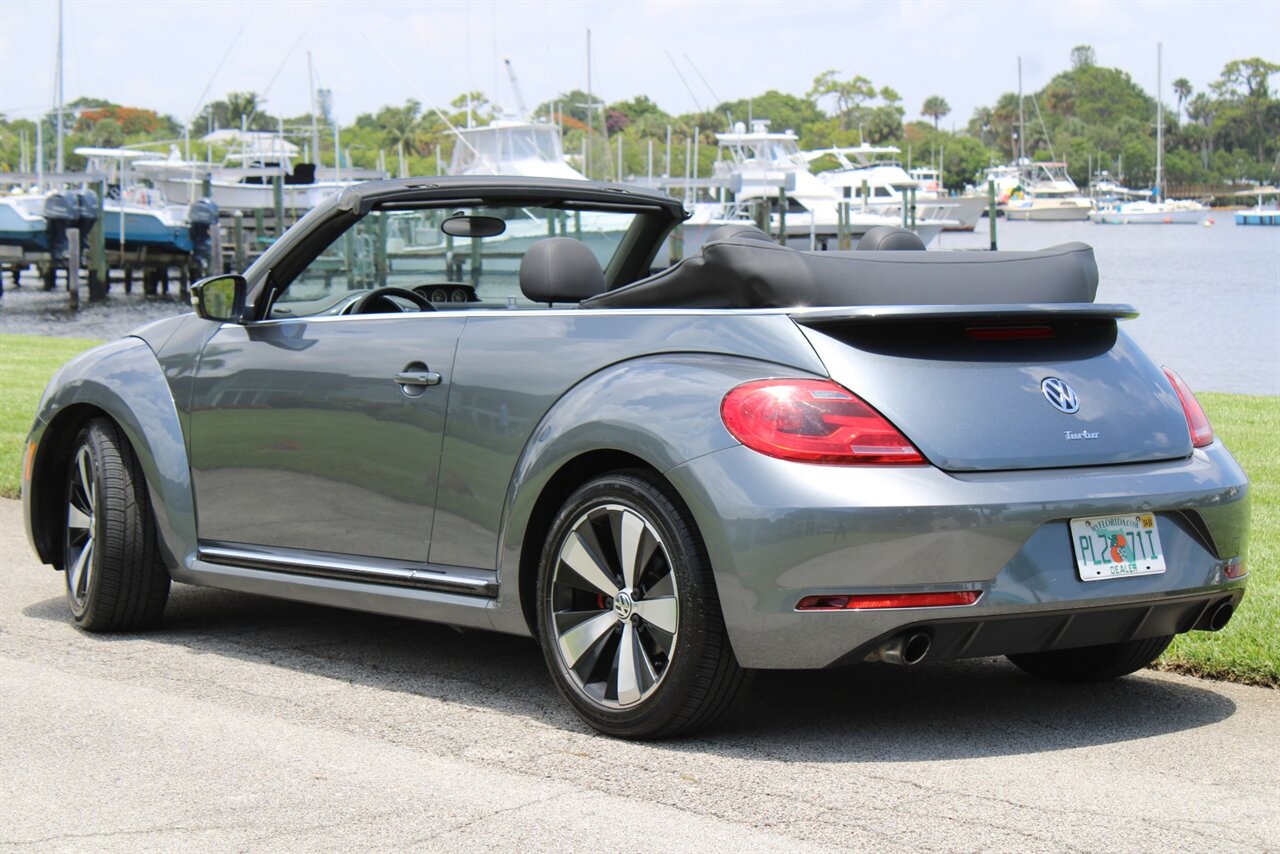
{"points": [[1209, 297]]}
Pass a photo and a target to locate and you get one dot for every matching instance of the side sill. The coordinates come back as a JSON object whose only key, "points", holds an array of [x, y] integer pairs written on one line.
{"points": [[462, 581]]}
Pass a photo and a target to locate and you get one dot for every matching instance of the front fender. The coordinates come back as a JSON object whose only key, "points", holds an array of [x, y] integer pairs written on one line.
{"points": [[124, 381], [661, 411]]}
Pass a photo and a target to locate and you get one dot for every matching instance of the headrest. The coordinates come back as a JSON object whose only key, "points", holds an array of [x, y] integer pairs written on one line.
{"points": [[738, 231], [560, 269], [890, 237]]}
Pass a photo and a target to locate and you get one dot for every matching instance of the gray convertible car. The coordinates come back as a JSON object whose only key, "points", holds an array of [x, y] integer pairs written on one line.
{"points": [[484, 402]]}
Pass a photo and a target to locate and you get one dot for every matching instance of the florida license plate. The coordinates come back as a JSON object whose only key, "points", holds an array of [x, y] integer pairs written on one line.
{"points": [[1117, 546]]}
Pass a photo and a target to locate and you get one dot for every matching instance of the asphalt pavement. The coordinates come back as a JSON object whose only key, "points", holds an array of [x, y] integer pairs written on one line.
{"points": [[251, 724]]}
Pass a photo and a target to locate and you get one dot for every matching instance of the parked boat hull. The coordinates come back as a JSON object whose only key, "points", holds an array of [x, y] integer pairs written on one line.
{"points": [[1258, 217], [1042, 210]]}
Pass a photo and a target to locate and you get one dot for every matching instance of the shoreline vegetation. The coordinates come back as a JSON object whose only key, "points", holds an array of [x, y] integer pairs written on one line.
{"points": [[1247, 651], [1090, 116]]}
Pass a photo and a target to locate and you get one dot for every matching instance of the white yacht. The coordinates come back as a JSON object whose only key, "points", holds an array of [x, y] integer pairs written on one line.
{"points": [[966, 209], [243, 181], [510, 147], [756, 163], [1047, 194]]}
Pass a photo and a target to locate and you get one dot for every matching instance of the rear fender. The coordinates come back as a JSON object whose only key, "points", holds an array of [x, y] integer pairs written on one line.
{"points": [[658, 412], [123, 381]]}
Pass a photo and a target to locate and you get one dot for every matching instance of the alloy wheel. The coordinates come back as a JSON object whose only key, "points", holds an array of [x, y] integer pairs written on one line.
{"points": [[613, 606]]}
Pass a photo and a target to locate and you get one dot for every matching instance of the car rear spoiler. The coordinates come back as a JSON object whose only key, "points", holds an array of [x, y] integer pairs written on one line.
{"points": [[998, 313]]}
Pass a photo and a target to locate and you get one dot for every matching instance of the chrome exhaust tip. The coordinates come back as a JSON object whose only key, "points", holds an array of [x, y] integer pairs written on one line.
{"points": [[906, 649]]}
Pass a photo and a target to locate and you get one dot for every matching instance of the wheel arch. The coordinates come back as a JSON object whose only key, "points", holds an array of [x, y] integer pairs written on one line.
{"points": [[123, 382], [573, 475], [651, 414]]}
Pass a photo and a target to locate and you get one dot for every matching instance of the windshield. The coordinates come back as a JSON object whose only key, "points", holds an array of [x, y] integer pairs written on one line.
{"points": [[408, 249]]}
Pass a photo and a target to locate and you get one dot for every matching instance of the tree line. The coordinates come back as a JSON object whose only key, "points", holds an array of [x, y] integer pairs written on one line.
{"points": [[1090, 116]]}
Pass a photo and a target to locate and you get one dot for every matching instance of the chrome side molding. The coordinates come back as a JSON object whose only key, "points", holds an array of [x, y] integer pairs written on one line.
{"points": [[423, 576]]}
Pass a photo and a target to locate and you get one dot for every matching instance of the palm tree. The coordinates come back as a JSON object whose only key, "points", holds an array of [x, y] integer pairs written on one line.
{"points": [[937, 107], [1181, 88], [242, 107]]}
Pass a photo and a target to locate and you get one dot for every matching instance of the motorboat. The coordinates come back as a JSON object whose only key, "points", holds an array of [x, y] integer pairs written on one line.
{"points": [[757, 164], [135, 217], [1047, 194], [22, 223], [511, 147], [887, 184], [244, 180], [1260, 214]]}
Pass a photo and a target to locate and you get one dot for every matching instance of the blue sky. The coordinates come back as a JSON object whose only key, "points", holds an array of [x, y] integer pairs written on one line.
{"points": [[163, 54]]}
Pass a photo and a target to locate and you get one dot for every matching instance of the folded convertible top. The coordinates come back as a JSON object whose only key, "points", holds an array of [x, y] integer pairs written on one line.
{"points": [[744, 273]]}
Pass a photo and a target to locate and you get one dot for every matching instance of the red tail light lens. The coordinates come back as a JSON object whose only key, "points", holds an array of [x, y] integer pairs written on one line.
{"points": [[1197, 421], [813, 421], [888, 600]]}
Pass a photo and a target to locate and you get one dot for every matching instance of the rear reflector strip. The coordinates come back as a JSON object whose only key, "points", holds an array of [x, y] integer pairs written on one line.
{"points": [[1235, 568], [887, 600]]}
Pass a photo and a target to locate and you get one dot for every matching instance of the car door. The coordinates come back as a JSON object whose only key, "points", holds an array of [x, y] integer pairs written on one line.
{"points": [[315, 429], [323, 434]]}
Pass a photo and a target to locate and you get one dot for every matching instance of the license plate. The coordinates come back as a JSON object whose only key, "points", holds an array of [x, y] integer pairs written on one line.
{"points": [[1117, 546]]}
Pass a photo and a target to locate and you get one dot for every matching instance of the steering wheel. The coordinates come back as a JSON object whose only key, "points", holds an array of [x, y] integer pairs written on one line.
{"points": [[378, 301]]}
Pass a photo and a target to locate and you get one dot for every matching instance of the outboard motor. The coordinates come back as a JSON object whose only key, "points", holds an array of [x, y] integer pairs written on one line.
{"points": [[202, 218], [61, 210], [87, 215]]}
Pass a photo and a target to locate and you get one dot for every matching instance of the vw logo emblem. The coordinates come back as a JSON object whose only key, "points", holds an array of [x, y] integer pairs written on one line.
{"points": [[623, 605], [1059, 394]]}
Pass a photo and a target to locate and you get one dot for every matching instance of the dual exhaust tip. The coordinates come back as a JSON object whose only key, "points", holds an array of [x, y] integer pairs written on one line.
{"points": [[913, 647]]}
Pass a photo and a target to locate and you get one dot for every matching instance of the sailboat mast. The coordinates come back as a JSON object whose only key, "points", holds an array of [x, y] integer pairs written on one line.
{"points": [[315, 127], [1022, 152], [57, 95], [590, 100], [1159, 125]]}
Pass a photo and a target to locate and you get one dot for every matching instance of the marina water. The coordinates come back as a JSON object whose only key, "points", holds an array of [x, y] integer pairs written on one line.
{"points": [[1208, 297]]}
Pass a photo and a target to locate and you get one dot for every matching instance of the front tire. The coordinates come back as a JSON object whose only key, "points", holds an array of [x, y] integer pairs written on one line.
{"points": [[628, 616], [1093, 663], [115, 579]]}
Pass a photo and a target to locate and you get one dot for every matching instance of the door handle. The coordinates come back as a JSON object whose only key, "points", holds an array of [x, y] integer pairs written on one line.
{"points": [[418, 378]]}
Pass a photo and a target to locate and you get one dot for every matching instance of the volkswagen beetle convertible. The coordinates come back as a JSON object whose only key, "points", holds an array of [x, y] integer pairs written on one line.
{"points": [[483, 402]]}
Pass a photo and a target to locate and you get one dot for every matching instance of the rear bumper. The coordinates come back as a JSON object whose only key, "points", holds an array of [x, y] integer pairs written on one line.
{"points": [[778, 531]]}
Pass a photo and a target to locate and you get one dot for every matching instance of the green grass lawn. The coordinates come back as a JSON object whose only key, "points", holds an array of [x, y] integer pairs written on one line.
{"points": [[1248, 650]]}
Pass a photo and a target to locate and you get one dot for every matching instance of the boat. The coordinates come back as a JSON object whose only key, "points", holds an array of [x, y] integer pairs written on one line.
{"points": [[22, 223], [966, 208], [888, 185], [756, 164], [1260, 215], [1156, 210], [135, 217], [244, 180], [1174, 212], [1047, 194], [511, 147]]}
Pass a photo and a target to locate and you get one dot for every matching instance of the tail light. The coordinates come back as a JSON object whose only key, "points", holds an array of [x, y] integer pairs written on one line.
{"points": [[1197, 421], [813, 421]]}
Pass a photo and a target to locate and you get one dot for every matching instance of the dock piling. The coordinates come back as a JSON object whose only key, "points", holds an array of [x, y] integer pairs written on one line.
{"points": [[73, 266], [991, 212]]}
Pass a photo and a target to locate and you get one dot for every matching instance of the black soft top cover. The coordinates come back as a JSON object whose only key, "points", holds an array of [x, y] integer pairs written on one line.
{"points": [[741, 272]]}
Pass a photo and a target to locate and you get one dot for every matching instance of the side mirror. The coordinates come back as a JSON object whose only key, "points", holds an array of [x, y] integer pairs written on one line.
{"points": [[220, 297]]}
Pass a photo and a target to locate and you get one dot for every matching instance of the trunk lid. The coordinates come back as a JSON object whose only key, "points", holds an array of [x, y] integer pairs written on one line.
{"points": [[971, 386]]}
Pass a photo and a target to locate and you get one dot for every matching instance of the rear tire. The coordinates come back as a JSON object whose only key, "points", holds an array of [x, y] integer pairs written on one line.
{"points": [[1093, 663], [628, 616], [116, 581]]}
